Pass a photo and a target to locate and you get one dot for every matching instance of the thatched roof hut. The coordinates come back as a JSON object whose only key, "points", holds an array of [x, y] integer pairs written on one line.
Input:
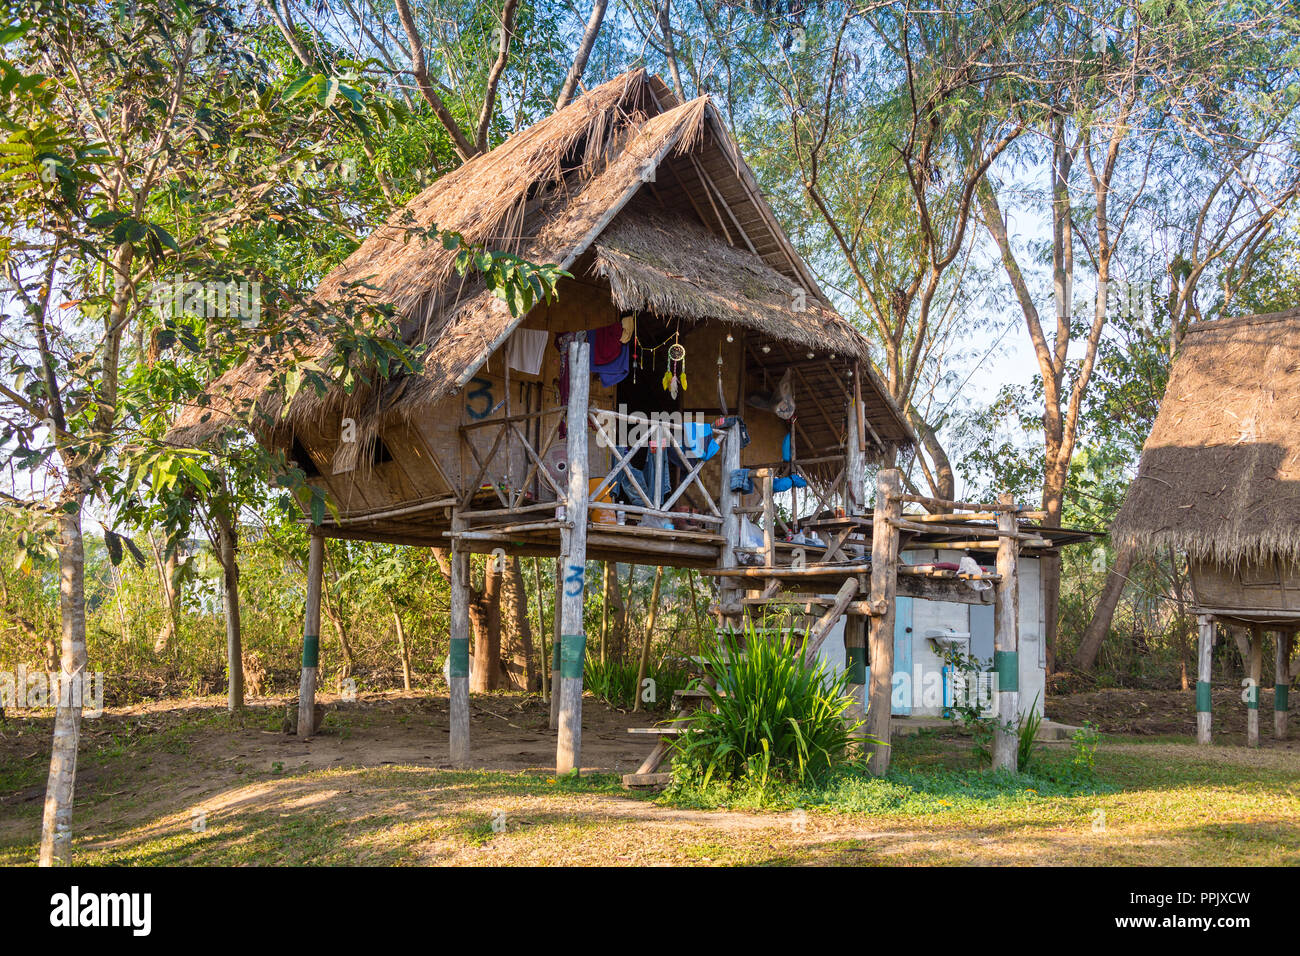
{"points": [[710, 249], [1220, 473]]}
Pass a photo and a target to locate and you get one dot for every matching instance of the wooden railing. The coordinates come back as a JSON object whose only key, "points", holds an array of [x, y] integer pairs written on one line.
{"points": [[658, 437], [510, 431]]}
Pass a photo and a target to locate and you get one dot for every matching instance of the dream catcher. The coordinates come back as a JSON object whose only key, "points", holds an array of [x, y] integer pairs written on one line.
{"points": [[676, 371]]}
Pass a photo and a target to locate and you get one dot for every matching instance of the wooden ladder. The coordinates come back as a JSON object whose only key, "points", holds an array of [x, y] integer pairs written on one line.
{"points": [[685, 701]]}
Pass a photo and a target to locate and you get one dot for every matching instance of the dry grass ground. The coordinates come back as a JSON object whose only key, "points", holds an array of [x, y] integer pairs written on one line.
{"points": [[180, 783]]}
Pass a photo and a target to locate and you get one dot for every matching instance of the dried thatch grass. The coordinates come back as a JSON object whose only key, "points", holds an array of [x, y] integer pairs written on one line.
{"points": [[1220, 472], [546, 194], [667, 265]]}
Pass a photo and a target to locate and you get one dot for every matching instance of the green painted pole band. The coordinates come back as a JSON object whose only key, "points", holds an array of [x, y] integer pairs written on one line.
{"points": [[855, 660], [1279, 696], [311, 650], [573, 651], [459, 657], [1007, 666], [1203, 696], [1252, 697], [555, 656]]}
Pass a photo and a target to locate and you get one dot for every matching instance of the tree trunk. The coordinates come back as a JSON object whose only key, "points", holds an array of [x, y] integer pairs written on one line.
{"points": [[541, 629], [1116, 577], [56, 824], [403, 650], [584, 52], [651, 613], [1050, 566], [485, 618], [334, 611], [227, 547], [521, 670], [167, 577], [615, 647]]}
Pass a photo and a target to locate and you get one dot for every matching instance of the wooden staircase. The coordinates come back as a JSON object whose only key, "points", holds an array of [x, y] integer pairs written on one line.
{"points": [[685, 702]]}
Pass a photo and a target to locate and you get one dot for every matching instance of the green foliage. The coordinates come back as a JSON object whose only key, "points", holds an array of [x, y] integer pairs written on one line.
{"points": [[918, 791], [1030, 721], [772, 717], [1085, 741], [614, 682]]}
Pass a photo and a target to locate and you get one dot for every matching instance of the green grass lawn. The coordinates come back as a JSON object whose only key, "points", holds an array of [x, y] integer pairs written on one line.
{"points": [[176, 795]]}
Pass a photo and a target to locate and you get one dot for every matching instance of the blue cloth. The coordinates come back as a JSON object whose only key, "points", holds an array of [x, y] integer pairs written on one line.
{"points": [[783, 484], [614, 372], [645, 476], [697, 440]]}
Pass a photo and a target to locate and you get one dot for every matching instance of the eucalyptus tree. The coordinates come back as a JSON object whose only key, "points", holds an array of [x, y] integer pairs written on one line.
{"points": [[871, 125], [149, 161], [1165, 143], [477, 71]]}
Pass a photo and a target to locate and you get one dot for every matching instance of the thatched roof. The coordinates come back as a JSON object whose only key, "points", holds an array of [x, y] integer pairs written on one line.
{"points": [[546, 194], [1220, 472], [669, 265]]}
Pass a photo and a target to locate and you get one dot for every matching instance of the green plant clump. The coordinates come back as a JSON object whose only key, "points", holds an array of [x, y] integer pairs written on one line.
{"points": [[773, 717]]}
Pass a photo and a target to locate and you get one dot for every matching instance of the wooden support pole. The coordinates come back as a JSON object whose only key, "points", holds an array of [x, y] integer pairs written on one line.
{"points": [[854, 461], [1281, 682], [458, 664], [884, 587], [1006, 644], [1255, 672], [855, 662], [573, 636], [311, 637], [1204, 658], [557, 614], [727, 503], [818, 633], [769, 519]]}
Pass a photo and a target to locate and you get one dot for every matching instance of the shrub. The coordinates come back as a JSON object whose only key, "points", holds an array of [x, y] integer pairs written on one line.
{"points": [[773, 717], [615, 682], [1029, 724]]}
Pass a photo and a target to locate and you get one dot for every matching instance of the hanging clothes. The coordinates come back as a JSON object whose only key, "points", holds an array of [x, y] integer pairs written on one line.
{"points": [[611, 373], [526, 350], [606, 343]]}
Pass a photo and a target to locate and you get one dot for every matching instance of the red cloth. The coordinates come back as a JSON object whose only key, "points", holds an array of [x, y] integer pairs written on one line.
{"points": [[606, 343]]}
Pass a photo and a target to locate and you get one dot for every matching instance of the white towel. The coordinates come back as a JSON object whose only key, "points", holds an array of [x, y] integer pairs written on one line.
{"points": [[526, 350]]}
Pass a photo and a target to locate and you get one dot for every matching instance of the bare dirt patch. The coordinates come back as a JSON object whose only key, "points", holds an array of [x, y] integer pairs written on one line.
{"points": [[1162, 713]]}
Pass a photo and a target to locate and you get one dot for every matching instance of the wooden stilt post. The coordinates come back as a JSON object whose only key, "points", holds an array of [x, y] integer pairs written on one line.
{"points": [[854, 464], [558, 613], [1204, 657], [884, 587], [1254, 672], [855, 626], [458, 667], [1006, 643], [764, 476], [730, 531], [311, 637], [573, 637], [1281, 682]]}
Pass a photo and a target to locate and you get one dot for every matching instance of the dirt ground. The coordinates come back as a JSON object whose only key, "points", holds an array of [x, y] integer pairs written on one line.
{"points": [[1164, 713], [372, 787]]}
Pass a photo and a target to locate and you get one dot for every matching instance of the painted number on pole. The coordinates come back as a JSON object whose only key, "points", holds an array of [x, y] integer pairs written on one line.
{"points": [[480, 397], [575, 580]]}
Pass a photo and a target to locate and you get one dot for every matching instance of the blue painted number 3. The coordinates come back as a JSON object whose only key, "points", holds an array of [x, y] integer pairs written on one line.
{"points": [[481, 394], [575, 580]]}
